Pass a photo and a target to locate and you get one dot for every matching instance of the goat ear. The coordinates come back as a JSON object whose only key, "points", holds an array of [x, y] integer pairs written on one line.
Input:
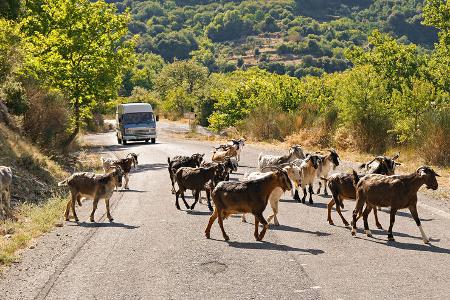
{"points": [[398, 164]]}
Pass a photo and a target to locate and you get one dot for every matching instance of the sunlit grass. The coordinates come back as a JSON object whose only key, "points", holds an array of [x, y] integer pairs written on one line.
{"points": [[33, 221]]}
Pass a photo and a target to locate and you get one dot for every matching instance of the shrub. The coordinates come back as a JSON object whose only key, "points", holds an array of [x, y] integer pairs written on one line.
{"points": [[436, 142], [15, 97]]}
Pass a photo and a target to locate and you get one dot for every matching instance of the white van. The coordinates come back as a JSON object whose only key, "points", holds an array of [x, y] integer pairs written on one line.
{"points": [[135, 122]]}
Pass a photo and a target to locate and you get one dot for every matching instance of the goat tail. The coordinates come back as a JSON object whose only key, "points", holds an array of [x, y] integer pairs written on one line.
{"points": [[355, 178], [63, 183]]}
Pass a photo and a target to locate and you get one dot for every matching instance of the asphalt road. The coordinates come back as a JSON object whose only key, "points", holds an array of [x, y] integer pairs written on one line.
{"points": [[154, 251]]}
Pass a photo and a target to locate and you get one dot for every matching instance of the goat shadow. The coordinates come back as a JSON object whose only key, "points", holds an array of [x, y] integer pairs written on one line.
{"points": [[265, 245], [104, 225], [382, 232], [198, 212], [296, 229], [409, 246]]}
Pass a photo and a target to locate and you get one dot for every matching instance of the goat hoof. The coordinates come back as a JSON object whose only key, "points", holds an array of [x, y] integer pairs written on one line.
{"points": [[192, 207], [111, 219], [311, 202], [379, 226], [92, 220], [391, 238], [330, 222], [426, 241], [303, 201], [207, 235], [226, 238], [211, 209], [346, 224], [353, 232]]}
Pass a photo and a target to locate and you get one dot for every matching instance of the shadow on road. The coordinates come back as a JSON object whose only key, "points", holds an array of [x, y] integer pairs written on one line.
{"points": [[264, 245], [198, 213], [295, 229], [107, 224], [408, 246], [149, 167], [132, 191]]}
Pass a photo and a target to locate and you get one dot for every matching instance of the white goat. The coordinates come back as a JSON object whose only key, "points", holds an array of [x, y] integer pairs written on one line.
{"points": [[238, 145], [295, 152], [274, 198], [327, 162], [5, 191], [308, 168]]}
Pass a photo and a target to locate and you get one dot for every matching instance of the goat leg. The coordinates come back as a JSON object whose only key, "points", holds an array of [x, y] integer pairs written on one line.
{"points": [[415, 215], [210, 223], [224, 234], [208, 198], [338, 209], [72, 203], [375, 214], [66, 213], [311, 192], [391, 224], [296, 196], [177, 204], [94, 208], [197, 193], [108, 212], [329, 207], [256, 228], [366, 223], [356, 211], [184, 200], [265, 226], [320, 187], [304, 195]]}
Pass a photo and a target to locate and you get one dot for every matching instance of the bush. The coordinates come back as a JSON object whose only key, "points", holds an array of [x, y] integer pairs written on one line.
{"points": [[436, 142], [15, 97], [47, 120]]}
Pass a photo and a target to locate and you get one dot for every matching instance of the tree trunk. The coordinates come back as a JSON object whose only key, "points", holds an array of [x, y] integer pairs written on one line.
{"points": [[76, 130]]}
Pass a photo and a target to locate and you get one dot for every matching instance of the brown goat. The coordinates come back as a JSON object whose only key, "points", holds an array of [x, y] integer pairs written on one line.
{"points": [[246, 197], [94, 186], [396, 192], [125, 164], [341, 186]]}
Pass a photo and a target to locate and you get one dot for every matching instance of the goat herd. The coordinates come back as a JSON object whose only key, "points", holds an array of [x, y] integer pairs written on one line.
{"points": [[379, 187]]}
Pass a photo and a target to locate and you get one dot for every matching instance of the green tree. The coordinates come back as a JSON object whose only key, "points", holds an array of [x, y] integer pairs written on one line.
{"points": [[78, 47]]}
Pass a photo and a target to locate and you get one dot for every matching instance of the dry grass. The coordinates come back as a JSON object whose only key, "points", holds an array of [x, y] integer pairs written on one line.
{"points": [[33, 221]]}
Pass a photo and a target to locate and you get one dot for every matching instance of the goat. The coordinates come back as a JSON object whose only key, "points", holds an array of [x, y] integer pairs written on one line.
{"points": [[196, 179], [341, 186], [246, 197], [295, 152], [91, 185], [228, 167], [294, 174], [177, 162], [308, 169], [131, 160], [5, 191], [327, 162], [238, 145], [220, 155], [396, 192]]}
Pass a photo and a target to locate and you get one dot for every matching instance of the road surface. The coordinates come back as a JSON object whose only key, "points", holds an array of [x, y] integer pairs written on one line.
{"points": [[154, 251]]}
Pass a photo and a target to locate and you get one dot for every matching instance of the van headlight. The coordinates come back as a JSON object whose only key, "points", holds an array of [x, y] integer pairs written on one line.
{"points": [[128, 131]]}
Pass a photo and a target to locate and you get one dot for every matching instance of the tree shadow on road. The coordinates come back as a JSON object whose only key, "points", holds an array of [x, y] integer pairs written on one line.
{"points": [[264, 245], [132, 191], [105, 225], [149, 167]]}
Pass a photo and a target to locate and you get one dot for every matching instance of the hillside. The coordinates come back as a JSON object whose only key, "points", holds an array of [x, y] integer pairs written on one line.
{"points": [[295, 37]]}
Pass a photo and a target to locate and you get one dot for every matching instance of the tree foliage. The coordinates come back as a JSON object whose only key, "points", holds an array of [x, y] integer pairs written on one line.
{"points": [[78, 47]]}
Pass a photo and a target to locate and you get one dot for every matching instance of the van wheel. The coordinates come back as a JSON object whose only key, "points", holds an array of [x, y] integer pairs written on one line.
{"points": [[153, 140], [124, 142], [147, 141], [119, 141]]}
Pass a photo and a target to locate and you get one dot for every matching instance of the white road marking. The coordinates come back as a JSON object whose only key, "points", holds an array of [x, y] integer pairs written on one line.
{"points": [[316, 287]]}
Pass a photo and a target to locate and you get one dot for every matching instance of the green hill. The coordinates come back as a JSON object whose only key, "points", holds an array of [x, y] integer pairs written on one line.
{"points": [[286, 37]]}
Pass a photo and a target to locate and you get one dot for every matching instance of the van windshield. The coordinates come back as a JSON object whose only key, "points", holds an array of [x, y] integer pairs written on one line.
{"points": [[138, 118]]}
